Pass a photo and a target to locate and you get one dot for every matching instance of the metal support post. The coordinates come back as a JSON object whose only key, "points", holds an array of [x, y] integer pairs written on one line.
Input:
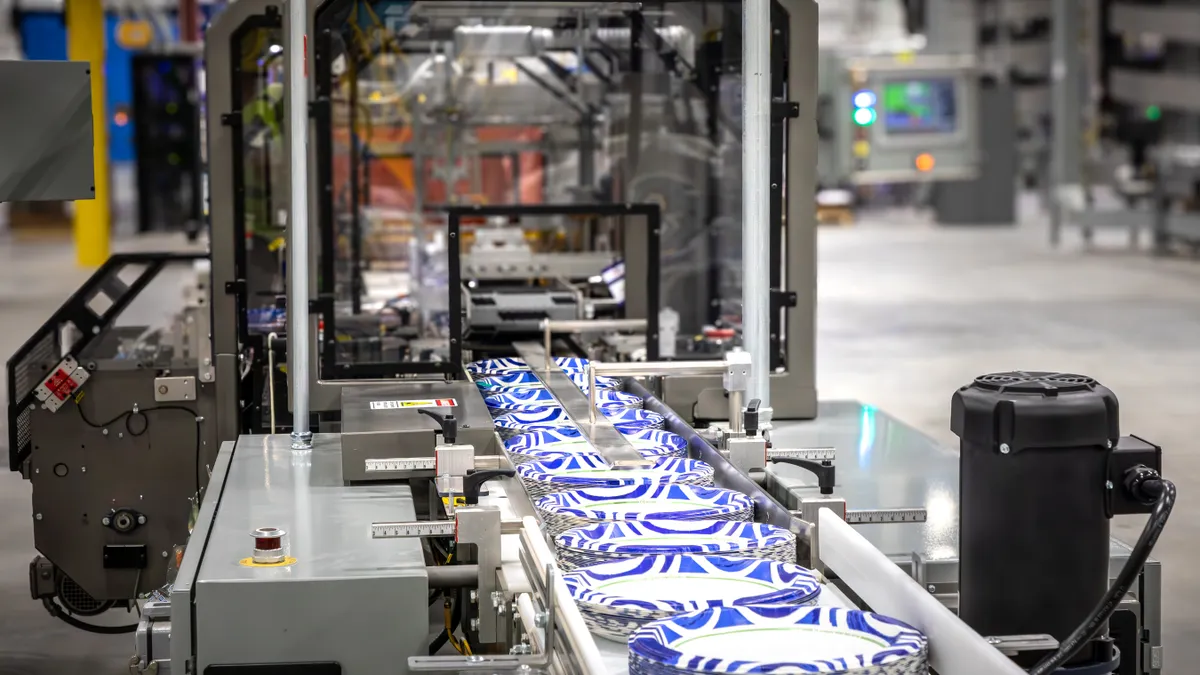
{"points": [[1066, 106], [756, 204], [93, 218], [297, 296]]}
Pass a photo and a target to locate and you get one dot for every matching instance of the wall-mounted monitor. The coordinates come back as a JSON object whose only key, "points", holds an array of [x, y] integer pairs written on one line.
{"points": [[920, 106]]}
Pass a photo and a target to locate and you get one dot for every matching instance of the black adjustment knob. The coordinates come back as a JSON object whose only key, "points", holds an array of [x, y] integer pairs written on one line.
{"points": [[823, 470], [448, 423], [475, 479]]}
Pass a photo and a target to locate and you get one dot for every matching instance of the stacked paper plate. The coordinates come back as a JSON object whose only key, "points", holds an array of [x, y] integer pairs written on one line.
{"points": [[625, 420], [526, 379], [563, 511], [619, 597], [665, 442], [528, 399], [736, 640], [591, 471], [493, 366], [595, 544]]}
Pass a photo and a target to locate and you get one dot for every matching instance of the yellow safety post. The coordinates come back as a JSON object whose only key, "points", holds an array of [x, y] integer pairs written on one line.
{"points": [[93, 218]]}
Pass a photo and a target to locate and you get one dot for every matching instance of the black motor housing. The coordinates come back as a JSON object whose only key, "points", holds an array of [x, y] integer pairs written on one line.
{"points": [[1034, 514]]}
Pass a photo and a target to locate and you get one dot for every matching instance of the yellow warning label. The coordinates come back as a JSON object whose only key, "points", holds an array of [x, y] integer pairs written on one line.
{"points": [[459, 500], [415, 403], [249, 562], [862, 149]]}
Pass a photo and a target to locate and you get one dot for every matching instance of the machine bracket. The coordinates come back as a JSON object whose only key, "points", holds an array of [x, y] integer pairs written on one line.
{"points": [[782, 299], [232, 119], [235, 287], [782, 110]]}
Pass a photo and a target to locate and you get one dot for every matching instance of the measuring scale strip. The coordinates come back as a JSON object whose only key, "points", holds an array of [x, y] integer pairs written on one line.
{"points": [[886, 516], [400, 464], [441, 528], [810, 454]]}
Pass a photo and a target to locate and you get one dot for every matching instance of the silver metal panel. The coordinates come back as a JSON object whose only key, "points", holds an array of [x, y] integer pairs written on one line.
{"points": [[46, 131], [1172, 91], [1180, 22], [387, 433], [350, 599], [603, 435], [183, 592]]}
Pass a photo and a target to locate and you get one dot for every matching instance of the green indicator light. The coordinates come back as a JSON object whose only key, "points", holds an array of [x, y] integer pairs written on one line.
{"points": [[864, 117], [1154, 113]]}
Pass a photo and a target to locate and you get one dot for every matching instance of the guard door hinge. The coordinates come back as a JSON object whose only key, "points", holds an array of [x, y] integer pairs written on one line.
{"points": [[319, 109], [782, 110], [236, 287], [782, 299], [232, 119]]}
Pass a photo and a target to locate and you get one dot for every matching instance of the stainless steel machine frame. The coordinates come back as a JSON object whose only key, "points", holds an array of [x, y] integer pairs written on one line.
{"points": [[698, 396]]}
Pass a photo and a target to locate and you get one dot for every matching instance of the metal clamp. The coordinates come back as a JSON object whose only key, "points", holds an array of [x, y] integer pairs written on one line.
{"points": [[731, 369], [819, 461]]}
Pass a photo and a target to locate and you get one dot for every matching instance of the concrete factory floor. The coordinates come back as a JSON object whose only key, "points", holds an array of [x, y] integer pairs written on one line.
{"points": [[908, 312]]}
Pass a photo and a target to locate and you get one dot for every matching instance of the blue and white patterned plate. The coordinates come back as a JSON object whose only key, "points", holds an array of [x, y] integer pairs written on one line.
{"points": [[665, 537], [674, 444], [744, 640], [654, 585], [522, 399], [566, 438], [493, 366], [648, 502], [580, 379], [628, 420], [591, 471], [507, 381]]}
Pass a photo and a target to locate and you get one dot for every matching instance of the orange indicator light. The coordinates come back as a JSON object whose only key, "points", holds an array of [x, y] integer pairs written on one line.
{"points": [[925, 162]]}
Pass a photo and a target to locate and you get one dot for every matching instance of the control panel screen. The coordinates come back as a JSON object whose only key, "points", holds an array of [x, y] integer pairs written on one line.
{"points": [[927, 106]]}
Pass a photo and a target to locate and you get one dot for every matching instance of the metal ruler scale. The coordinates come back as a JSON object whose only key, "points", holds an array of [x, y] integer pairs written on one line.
{"points": [[439, 528], [400, 464], [809, 454], [880, 516]]}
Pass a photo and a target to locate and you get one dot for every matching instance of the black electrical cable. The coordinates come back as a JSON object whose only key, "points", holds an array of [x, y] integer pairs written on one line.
{"points": [[128, 416], [58, 613], [1151, 486]]}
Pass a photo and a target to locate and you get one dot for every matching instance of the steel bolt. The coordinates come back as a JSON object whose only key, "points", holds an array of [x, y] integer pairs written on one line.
{"points": [[1108, 484], [475, 658], [120, 434], [1108, 444], [475, 625], [474, 595], [931, 588], [37, 516], [164, 554], [1004, 449], [141, 520], [83, 469], [37, 470], [541, 619], [498, 601], [104, 432], [105, 521]]}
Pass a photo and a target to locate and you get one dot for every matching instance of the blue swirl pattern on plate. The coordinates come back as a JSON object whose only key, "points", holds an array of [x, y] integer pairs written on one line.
{"points": [[591, 471], [601, 584], [523, 399], [677, 644], [630, 420], [509, 380], [492, 366], [648, 502], [673, 444], [594, 544], [547, 438]]}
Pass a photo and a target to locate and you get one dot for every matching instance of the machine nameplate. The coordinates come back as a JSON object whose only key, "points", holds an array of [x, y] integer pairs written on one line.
{"points": [[442, 528], [400, 464], [810, 454], [415, 403]]}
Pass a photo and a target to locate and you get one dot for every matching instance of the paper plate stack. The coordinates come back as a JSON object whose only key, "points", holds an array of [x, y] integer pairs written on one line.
{"points": [[563, 511], [591, 471], [757, 639], [526, 379], [619, 597], [626, 421], [595, 544], [664, 442], [495, 366], [532, 399]]}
